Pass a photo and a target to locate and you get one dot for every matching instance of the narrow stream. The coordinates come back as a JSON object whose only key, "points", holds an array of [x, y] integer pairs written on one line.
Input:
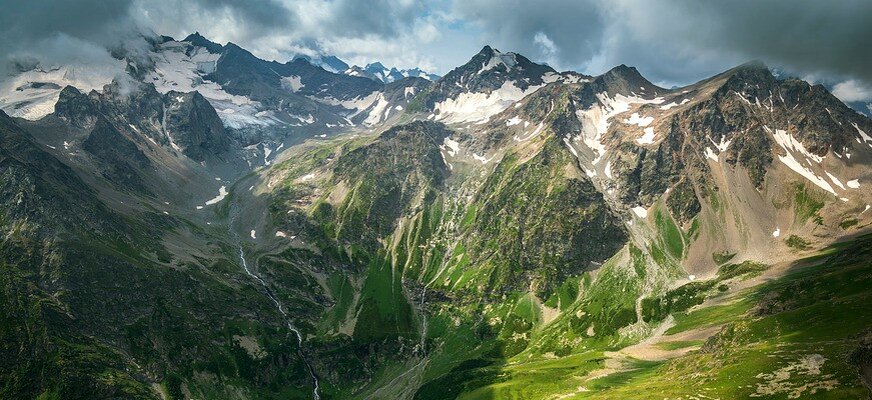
{"points": [[275, 300]]}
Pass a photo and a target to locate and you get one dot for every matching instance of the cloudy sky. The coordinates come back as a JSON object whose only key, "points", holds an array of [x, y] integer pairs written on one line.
{"points": [[669, 41]]}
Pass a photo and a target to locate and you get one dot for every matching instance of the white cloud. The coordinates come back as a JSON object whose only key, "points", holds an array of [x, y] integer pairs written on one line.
{"points": [[547, 47], [852, 90]]}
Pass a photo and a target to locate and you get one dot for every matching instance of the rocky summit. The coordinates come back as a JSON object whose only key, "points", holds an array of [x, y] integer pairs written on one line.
{"points": [[213, 225]]}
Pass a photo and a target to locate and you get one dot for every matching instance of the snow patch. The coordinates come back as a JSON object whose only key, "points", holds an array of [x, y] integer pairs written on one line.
{"points": [[222, 192], [253, 234], [791, 146], [450, 146], [709, 153], [776, 232], [640, 211], [182, 71], [32, 94], [478, 107], [266, 152], [647, 137], [595, 120], [378, 112], [863, 135], [571, 148], [550, 77], [854, 184], [294, 83], [835, 180], [531, 135], [506, 59], [788, 142], [635, 119], [721, 146], [358, 105], [481, 158]]}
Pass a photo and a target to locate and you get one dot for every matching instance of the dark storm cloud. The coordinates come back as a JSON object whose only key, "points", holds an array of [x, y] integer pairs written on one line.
{"points": [[575, 27], [86, 32], [676, 40], [805, 36], [262, 13], [375, 17], [38, 19], [25, 22], [52, 33], [241, 20], [670, 41], [277, 29], [811, 35]]}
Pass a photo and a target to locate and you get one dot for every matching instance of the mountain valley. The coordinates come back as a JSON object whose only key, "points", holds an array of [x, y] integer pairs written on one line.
{"points": [[214, 225]]}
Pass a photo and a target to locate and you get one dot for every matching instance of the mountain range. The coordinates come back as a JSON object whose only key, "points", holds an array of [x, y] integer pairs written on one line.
{"points": [[214, 225]]}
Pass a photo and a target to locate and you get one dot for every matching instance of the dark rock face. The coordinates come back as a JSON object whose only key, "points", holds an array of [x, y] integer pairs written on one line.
{"points": [[318, 82], [76, 108], [622, 80], [240, 72], [118, 157], [140, 106], [186, 119], [404, 90], [647, 173], [83, 294], [122, 125], [198, 40], [810, 113], [34, 185], [683, 201], [329, 63], [194, 125]]}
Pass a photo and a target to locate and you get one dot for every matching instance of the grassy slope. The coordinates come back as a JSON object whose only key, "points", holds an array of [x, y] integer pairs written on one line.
{"points": [[772, 338], [487, 338], [489, 326]]}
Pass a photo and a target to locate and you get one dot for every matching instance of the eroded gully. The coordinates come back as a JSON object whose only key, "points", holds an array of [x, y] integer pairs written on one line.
{"points": [[234, 212]]}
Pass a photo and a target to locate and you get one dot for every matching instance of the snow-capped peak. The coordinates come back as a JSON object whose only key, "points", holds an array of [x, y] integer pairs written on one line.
{"points": [[378, 72], [497, 58]]}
